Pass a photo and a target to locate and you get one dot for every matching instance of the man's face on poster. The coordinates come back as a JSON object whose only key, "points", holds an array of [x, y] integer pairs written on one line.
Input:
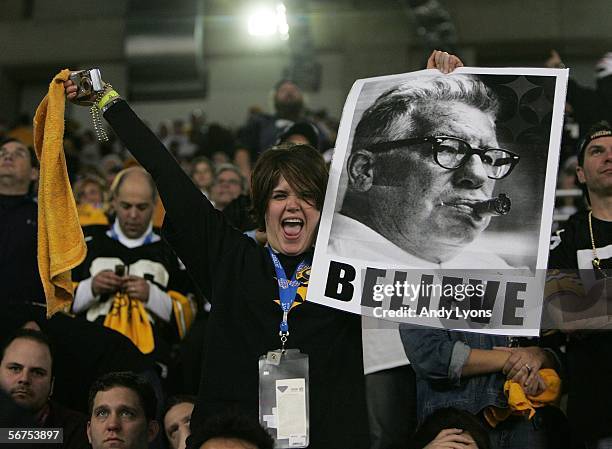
{"points": [[419, 205]]}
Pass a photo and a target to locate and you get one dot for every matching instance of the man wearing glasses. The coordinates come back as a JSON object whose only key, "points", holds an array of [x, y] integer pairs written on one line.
{"points": [[229, 184], [424, 160]]}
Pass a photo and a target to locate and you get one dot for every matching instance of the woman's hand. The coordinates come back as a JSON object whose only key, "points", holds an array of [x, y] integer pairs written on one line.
{"points": [[523, 364], [536, 388], [443, 61], [72, 91]]}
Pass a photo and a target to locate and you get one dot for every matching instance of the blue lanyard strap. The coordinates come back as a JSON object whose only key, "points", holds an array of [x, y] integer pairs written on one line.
{"points": [[287, 289]]}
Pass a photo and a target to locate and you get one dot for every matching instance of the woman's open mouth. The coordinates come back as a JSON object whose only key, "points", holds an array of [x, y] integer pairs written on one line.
{"points": [[292, 227]]}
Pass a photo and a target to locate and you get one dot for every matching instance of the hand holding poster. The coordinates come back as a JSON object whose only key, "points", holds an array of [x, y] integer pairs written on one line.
{"points": [[415, 226]]}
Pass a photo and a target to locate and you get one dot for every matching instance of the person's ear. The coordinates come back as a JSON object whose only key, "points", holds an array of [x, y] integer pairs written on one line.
{"points": [[89, 431], [360, 169], [580, 174], [153, 428]]}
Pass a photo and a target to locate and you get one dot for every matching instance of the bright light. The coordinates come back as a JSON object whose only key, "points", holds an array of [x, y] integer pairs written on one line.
{"points": [[265, 22], [281, 17], [262, 23]]}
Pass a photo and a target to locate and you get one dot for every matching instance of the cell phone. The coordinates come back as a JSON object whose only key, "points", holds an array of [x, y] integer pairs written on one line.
{"points": [[120, 270]]}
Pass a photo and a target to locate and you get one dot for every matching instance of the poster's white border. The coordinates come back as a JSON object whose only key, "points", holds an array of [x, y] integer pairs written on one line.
{"points": [[322, 257]]}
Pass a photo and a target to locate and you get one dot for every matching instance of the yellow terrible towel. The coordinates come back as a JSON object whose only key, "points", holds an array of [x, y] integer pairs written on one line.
{"points": [[90, 215], [520, 403], [61, 246], [129, 317]]}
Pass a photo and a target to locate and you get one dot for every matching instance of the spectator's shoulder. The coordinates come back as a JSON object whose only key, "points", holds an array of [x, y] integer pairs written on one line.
{"points": [[73, 423], [92, 232], [255, 120], [573, 225], [565, 241]]}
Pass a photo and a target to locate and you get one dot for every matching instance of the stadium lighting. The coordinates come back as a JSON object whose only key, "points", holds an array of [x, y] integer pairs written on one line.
{"points": [[281, 20], [266, 21]]}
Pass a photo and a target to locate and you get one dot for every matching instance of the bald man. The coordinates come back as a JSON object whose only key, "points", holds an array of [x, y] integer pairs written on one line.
{"points": [[128, 257]]}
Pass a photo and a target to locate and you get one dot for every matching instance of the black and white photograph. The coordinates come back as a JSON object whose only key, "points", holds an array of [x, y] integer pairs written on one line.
{"points": [[446, 174]]}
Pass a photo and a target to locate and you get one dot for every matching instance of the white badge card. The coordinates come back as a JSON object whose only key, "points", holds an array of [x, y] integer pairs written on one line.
{"points": [[283, 397]]}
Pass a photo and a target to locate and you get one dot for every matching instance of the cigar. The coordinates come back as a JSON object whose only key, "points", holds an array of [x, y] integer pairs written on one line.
{"points": [[494, 207]]}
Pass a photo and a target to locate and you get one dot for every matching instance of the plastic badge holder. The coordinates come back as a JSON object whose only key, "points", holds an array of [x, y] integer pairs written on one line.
{"points": [[283, 397]]}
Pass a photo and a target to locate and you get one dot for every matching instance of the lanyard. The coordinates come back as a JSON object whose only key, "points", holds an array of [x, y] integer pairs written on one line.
{"points": [[287, 288]]}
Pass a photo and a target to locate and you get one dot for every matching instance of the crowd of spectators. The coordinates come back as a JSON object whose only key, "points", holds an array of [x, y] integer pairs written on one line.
{"points": [[105, 384]]}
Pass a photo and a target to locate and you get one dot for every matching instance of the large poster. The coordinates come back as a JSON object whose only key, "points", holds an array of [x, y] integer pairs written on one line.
{"points": [[439, 206]]}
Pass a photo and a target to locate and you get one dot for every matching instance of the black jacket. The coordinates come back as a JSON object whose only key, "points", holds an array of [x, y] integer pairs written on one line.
{"points": [[237, 276], [19, 278]]}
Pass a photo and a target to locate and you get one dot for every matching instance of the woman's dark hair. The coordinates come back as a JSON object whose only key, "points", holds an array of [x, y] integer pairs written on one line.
{"points": [[450, 418], [303, 168]]}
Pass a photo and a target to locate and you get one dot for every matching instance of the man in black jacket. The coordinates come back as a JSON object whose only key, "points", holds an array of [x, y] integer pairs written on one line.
{"points": [[262, 130], [19, 278]]}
